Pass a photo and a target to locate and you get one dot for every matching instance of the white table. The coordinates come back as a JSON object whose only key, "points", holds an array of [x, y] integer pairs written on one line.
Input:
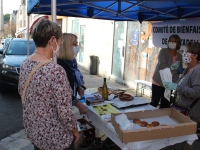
{"points": [[108, 129]]}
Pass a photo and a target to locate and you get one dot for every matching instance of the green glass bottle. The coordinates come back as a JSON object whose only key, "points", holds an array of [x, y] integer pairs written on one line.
{"points": [[105, 90]]}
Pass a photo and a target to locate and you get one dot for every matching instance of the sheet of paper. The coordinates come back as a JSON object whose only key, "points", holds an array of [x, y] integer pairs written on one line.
{"points": [[105, 109], [166, 75]]}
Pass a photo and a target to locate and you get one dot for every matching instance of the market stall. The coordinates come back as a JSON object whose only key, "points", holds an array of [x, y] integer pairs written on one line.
{"points": [[122, 10]]}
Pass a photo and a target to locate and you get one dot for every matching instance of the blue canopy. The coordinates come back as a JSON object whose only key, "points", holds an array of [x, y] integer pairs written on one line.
{"points": [[121, 10]]}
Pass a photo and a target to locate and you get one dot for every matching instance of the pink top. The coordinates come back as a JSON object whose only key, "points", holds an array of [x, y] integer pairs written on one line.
{"points": [[47, 111], [173, 61]]}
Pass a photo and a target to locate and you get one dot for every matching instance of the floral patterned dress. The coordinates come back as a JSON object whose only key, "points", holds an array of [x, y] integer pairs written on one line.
{"points": [[47, 110]]}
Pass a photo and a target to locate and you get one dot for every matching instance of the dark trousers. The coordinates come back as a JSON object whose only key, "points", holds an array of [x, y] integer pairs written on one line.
{"points": [[71, 147], [157, 96]]}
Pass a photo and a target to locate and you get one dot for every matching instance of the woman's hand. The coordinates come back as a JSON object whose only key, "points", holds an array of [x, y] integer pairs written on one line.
{"points": [[76, 134], [180, 69], [82, 109], [170, 85], [80, 91], [174, 66]]}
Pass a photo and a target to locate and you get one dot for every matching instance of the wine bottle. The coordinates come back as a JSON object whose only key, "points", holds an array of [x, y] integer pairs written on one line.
{"points": [[105, 90]]}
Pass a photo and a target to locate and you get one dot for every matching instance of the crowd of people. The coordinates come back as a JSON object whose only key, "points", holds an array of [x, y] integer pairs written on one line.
{"points": [[49, 90]]}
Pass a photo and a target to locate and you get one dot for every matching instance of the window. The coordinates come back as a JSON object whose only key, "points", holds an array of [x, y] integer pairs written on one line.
{"points": [[75, 27], [20, 48], [20, 23], [82, 43]]}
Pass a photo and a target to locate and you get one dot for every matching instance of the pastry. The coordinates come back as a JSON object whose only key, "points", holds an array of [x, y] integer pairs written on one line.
{"points": [[136, 121], [117, 92], [125, 97], [150, 126], [143, 124], [155, 123], [100, 90]]}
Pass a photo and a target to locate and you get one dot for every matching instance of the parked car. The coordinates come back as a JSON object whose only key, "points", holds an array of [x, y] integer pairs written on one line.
{"points": [[2, 41], [5, 44], [7, 40], [10, 60]]}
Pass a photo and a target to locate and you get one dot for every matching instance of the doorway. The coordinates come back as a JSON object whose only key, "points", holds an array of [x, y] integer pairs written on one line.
{"points": [[119, 50]]}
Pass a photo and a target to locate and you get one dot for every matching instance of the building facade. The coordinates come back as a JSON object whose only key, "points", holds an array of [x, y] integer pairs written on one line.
{"points": [[21, 18], [1, 20]]}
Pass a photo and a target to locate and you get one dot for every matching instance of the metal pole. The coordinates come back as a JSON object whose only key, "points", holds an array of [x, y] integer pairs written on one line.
{"points": [[28, 40], [53, 14], [139, 49]]}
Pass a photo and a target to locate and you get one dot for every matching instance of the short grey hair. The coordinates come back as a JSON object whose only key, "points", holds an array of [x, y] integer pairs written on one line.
{"points": [[44, 30], [194, 48]]}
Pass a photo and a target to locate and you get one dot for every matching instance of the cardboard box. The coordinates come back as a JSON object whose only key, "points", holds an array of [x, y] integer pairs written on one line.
{"points": [[185, 126]]}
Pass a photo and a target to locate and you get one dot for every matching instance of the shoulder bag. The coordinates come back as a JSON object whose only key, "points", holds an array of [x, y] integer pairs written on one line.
{"points": [[30, 76], [177, 106], [183, 109]]}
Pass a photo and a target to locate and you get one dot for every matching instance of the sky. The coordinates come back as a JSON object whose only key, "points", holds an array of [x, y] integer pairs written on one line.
{"points": [[10, 5]]}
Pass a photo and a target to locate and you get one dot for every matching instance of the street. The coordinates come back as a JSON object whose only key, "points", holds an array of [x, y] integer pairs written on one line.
{"points": [[10, 113]]}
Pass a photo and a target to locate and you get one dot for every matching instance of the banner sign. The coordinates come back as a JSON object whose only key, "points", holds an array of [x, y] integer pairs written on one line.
{"points": [[187, 30]]}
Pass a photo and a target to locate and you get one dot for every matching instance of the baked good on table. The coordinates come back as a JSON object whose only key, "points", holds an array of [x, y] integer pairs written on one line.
{"points": [[150, 126], [125, 97], [117, 92], [143, 123], [155, 123], [100, 90], [136, 121]]}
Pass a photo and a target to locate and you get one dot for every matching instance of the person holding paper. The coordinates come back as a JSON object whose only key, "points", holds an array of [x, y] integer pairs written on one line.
{"points": [[188, 86], [167, 58]]}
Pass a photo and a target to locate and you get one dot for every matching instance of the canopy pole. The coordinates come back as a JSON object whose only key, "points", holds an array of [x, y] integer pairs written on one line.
{"points": [[53, 13], [28, 37], [139, 51]]}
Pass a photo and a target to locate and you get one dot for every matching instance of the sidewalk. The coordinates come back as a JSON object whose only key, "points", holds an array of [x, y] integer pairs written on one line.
{"points": [[18, 141]]}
